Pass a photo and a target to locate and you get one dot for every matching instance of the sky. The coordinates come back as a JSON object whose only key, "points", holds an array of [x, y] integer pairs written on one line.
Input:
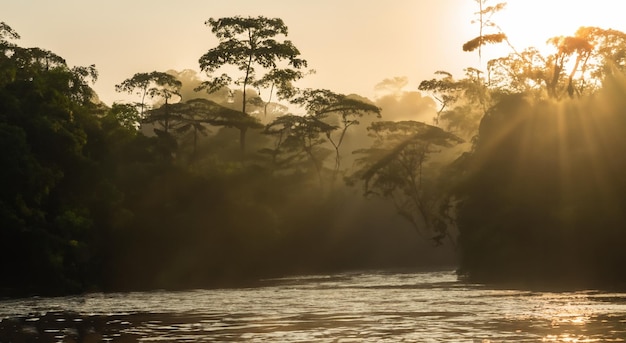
{"points": [[352, 45]]}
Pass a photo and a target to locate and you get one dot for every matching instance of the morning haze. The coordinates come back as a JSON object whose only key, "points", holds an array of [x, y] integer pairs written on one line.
{"points": [[163, 162]]}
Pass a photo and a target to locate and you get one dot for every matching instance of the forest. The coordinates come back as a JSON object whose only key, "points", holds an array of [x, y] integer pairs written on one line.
{"points": [[236, 174]]}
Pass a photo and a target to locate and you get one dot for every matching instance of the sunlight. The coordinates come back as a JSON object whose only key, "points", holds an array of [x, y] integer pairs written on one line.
{"points": [[532, 22], [569, 318], [572, 320], [569, 338], [588, 120]]}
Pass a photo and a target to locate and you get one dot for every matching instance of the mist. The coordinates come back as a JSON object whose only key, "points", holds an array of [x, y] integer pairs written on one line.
{"points": [[238, 171]]}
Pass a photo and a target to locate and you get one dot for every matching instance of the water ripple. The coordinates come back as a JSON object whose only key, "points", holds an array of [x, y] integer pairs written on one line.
{"points": [[354, 307]]}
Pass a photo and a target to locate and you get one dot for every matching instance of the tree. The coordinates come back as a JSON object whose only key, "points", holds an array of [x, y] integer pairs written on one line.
{"points": [[578, 66], [7, 32], [463, 101], [126, 114], [323, 105], [396, 168], [519, 73], [153, 84], [484, 21], [50, 176], [327, 112], [6, 49], [191, 122], [193, 116], [298, 136], [540, 196], [251, 45]]}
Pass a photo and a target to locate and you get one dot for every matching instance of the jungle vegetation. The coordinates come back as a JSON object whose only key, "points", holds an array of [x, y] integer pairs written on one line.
{"points": [[216, 179]]}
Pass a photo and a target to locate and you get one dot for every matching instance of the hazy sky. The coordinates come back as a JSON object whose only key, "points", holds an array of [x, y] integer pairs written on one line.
{"points": [[353, 45]]}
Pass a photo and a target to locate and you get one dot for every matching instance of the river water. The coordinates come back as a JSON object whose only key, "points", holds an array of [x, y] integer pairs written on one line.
{"points": [[350, 307]]}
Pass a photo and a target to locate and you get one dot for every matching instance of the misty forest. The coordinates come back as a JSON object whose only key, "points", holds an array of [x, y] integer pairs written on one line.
{"points": [[512, 173]]}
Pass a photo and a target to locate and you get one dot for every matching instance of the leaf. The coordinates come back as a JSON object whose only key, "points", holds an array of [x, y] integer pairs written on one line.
{"points": [[482, 40]]}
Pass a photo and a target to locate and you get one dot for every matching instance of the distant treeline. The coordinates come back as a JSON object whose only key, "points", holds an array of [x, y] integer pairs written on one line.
{"points": [[165, 193]]}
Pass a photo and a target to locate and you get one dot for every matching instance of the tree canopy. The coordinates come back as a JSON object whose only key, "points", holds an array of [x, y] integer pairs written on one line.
{"points": [[520, 172], [251, 45]]}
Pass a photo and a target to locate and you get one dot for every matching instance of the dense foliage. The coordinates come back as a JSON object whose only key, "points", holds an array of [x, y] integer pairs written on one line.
{"points": [[544, 194], [540, 198], [155, 193], [521, 171]]}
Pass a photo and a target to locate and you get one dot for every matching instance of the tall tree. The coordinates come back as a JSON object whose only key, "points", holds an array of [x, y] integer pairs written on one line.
{"points": [[484, 22], [339, 110], [154, 85], [328, 117], [252, 45], [463, 101]]}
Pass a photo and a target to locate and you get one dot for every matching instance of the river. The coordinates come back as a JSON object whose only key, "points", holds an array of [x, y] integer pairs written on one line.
{"points": [[349, 307]]}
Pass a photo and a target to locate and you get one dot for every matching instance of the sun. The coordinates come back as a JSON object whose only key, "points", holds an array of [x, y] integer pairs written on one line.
{"points": [[530, 23]]}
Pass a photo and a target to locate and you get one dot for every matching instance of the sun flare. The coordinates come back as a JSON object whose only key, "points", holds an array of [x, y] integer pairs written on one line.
{"points": [[532, 22]]}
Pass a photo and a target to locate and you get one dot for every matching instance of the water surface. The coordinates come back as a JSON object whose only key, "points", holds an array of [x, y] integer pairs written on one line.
{"points": [[351, 307]]}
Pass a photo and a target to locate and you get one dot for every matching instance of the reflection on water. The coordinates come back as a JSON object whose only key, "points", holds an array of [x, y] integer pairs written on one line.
{"points": [[358, 307]]}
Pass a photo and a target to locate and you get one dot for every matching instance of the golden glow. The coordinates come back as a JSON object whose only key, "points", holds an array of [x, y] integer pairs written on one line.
{"points": [[353, 45], [569, 338], [532, 22], [570, 321]]}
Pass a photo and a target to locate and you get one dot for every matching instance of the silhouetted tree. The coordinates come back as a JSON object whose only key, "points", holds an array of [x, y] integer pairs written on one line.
{"points": [[536, 196], [47, 213], [336, 109], [578, 67], [154, 84], [251, 45], [193, 116], [297, 136], [463, 102], [326, 112], [484, 21]]}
